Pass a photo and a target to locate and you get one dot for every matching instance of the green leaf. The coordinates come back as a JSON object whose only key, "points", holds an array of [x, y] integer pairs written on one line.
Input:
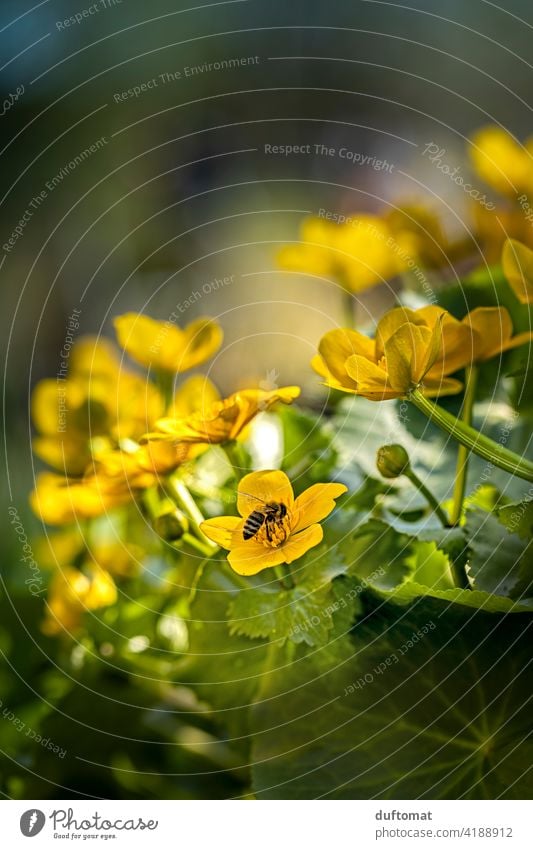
{"points": [[378, 554], [308, 452], [411, 590], [431, 567], [429, 703], [495, 553], [305, 614], [518, 518]]}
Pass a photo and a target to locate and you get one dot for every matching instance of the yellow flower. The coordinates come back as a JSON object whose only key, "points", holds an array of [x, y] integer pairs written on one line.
{"points": [[492, 333], [95, 401], [162, 345], [517, 263], [411, 349], [291, 526], [222, 421], [501, 161], [120, 471], [72, 593], [358, 254], [58, 500]]}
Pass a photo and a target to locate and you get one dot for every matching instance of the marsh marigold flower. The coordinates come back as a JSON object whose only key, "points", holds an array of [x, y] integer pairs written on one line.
{"points": [[95, 400], [517, 263], [221, 421], [273, 527], [359, 254], [412, 348], [501, 161], [58, 500], [492, 333], [164, 346], [72, 593]]}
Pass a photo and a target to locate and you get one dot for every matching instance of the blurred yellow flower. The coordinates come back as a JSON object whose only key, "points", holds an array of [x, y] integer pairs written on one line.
{"points": [[360, 253], [93, 401], [492, 333], [120, 471], [163, 346], [273, 526], [58, 500], [501, 161], [411, 349], [72, 593], [222, 421], [517, 263]]}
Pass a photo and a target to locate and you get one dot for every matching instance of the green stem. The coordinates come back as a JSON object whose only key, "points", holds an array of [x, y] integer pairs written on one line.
{"points": [[197, 577], [473, 439], [463, 452], [184, 499], [428, 495], [284, 576], [196, 544], [165, 383], [347, 309], [233, 452]]}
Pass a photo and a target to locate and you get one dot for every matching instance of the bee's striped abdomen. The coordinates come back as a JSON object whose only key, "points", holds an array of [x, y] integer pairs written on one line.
{"points": [[253, 524]]}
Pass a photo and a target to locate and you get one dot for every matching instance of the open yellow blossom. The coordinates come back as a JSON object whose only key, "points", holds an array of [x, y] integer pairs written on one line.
{"points": [[58, 500], [412, 348], [284, 527], [517, 263], [492, 333], [72, 593], [222, 421], [358, 254], [501, 161], [162, 345]]}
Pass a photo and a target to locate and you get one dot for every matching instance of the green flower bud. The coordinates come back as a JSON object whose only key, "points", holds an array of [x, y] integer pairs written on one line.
{"points": [[171, 525], [392, 461]]}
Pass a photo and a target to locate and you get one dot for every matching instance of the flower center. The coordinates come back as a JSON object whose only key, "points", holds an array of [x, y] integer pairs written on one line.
{"points": [[274, 531]]}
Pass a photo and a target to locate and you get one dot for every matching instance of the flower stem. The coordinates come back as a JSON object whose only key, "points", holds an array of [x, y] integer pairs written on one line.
{"points": [[472, 439], [347, 309], [233, 452], [196, 544], [284, 576], [184, 499], [463, 452], [428, 495]]}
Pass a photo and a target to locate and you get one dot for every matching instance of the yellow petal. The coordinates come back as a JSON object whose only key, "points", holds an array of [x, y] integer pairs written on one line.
{"points": [[102, 590], [163, 345], [391, 322], [492, 330], [220, 529], [500, 160], [370, 379], [202, 339], [299, 543], [337, 346], [147, 341], [316, 503], [195, 395], [517, 262], [94, 357], [260, 488], [434, 387], [249, 558], [409, 353], [319, 365]]}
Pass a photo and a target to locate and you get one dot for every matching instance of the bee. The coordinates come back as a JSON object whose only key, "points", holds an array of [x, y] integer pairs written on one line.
{"points": [[269, 516]]}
